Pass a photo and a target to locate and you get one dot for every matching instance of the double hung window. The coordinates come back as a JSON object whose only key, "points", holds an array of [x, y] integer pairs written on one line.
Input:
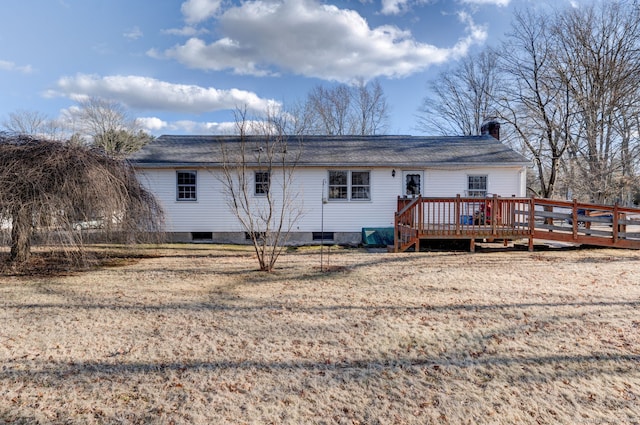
{"points": [[477, 186], [338, 185], [262, 179], [360, 186], [186, 186], [349, 185]]}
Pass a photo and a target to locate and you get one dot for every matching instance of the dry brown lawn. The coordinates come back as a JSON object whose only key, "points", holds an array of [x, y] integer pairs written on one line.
{"points": [[195, 335]]}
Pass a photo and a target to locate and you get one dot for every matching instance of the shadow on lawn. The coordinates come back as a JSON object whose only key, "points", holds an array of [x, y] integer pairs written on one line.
{"points": [[271, 305], [340, 374], [571, 365]]}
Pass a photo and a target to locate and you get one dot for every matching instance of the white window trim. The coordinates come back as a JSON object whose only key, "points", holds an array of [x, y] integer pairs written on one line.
{"points": [[195, 186], [255, 184], [471, 192], [349, 186]]}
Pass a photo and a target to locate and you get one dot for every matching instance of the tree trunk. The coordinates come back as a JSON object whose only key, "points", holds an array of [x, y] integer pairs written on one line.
{"points": [[21, 230]]}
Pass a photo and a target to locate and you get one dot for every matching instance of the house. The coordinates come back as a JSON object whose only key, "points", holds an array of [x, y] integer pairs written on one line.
{"points": [[342, 184]]}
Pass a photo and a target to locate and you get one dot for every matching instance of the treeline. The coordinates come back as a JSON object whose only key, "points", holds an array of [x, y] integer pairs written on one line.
{"points": [[565, 84], [340, 109]]}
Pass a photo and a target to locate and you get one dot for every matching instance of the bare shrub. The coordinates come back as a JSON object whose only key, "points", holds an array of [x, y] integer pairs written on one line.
{"points": [[267, 154]]}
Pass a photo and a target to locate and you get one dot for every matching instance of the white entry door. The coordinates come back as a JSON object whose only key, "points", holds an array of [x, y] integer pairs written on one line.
{"points": [[412, 183]]}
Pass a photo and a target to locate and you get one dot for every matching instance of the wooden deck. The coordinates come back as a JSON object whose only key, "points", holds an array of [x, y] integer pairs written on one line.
{"points": [[498, 218]]}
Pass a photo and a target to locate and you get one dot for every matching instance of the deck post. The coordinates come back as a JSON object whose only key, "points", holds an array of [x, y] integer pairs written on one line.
{"points": [[396, 234], [512, 213], [472, 245], [494, 214], [420, 216], [615, 223], [532, 221], [574, 217], [458, 211]]}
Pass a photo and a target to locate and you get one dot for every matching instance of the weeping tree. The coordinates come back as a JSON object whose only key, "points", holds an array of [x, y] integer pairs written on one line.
{"points": [[50, 189]]}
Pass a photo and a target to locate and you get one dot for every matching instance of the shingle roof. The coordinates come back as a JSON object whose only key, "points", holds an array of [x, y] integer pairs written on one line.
{"points": [[396, 151]]}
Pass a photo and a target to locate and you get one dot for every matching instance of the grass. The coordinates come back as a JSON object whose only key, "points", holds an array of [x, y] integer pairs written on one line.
{"points": [[192, 334]]}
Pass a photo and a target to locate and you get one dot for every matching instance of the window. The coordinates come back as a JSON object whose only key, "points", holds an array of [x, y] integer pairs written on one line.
{"points": [[338, 184], [349, 185], [262, 179], [477, 186], [186, 185], [360, 185], [412, 185]]}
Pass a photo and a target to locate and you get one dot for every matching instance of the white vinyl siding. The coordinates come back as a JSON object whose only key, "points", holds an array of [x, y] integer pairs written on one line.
{"points": [[501, 181], [211, 212]]}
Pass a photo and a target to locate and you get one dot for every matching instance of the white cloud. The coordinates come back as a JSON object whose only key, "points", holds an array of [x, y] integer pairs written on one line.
{"points": [[397, 7], [501, 3], [393, 7], [476, 32], [222, 54], [308, 38], [150, 94], [186, 31], [195, 11], [152, 124], [10, 66], [156, 126], [133, 34]]}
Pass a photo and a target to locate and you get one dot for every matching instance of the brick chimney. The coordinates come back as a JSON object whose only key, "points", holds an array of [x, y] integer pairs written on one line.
{"points": [[491, 127]]}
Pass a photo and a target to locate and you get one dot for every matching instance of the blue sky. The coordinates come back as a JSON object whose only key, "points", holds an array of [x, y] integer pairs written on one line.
{"points": [[183, 66]]}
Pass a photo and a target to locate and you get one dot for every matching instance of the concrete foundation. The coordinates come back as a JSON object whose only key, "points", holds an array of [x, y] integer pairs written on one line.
{"points": [[239, 238]]}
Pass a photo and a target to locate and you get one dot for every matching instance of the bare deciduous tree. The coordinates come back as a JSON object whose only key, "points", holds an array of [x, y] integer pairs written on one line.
{"points": [[461, 98], [259, 182], [533, 99], [599, 57], [48, 187], [568, 93], [360, 109], [371, 108], [32, 123], [331, 109], [109, 125]]}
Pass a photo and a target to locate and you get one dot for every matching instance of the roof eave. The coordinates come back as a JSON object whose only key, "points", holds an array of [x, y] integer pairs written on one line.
{"points": [[445, 164]]}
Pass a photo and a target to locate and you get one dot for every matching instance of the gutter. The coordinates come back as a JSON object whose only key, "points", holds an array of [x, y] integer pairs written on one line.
{"points": [[165, 165]]}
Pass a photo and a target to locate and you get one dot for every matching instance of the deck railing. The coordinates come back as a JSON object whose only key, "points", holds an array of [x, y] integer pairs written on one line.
{"points": [[514, 218], [586, 223]]}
